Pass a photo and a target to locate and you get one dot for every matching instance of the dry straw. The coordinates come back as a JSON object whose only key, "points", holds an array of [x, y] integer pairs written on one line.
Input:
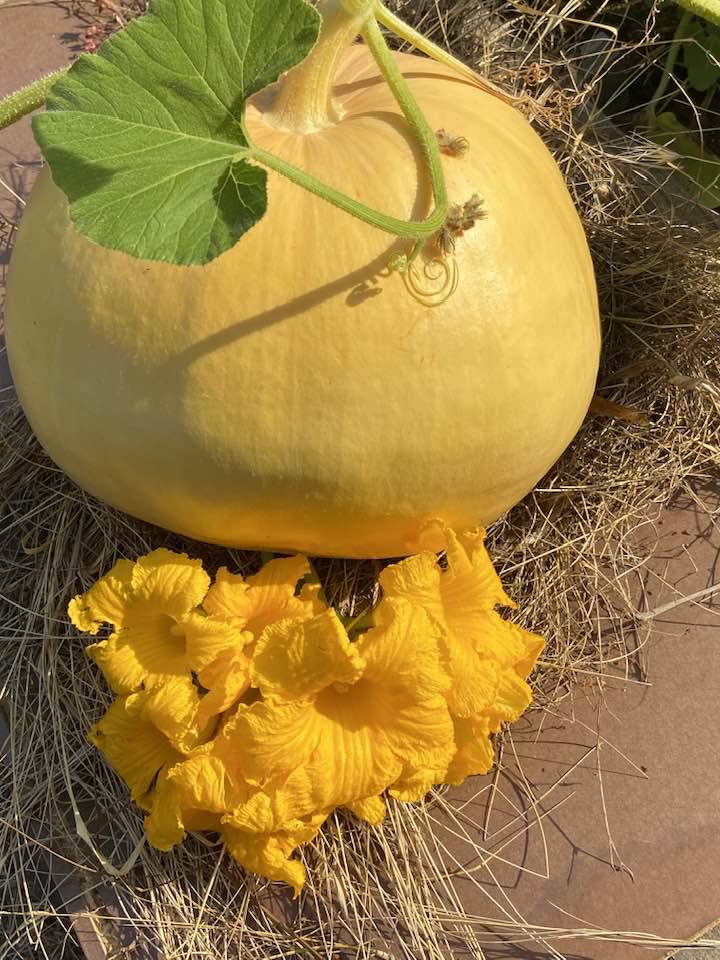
{"points": [[568, 554]]}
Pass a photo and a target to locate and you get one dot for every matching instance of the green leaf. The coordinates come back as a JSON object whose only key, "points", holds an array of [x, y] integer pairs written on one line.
{"points": [[700, 56], [699, 166], [707, 9], [147, 137]]}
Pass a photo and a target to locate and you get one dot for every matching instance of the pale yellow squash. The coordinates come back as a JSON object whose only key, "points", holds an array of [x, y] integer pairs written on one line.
{"points": [[294, 394]]}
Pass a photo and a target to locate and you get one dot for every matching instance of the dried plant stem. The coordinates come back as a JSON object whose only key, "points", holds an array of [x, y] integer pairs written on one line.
{"points": [[679, 602]]}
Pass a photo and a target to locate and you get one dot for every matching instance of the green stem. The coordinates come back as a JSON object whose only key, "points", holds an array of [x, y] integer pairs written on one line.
{"points": [[419, 231], [304, 101], [27, 99], [673, 53], [406, 229], [422, 43], [354, 11], [415, 117]]}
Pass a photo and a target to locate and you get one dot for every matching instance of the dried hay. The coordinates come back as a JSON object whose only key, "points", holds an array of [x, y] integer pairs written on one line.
{"points": [[567, 554]]}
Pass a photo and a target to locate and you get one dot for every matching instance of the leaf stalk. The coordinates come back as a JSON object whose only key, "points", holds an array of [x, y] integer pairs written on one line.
{"points": [[27, 99]]}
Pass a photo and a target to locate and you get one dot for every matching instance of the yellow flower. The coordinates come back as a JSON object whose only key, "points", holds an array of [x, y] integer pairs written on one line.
{"points": [[143, 735], [198, 792], [265, 597], [161, 579], [269, 854], [330, 723], [487, 657], [159, 631], [342, 722], [147, 737]]}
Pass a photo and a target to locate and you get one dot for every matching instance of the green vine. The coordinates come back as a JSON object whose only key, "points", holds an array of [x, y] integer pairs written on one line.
{"points": [[80, 81], [27, 99], [419, 231]]}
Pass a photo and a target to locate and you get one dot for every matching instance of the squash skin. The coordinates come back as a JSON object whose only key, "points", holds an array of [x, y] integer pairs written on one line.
{"points": [[292, 395]]}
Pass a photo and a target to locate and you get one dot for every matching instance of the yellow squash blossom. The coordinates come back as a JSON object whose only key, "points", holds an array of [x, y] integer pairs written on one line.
{"points": [[342, 722], [198, 792], [244, 707], [338, 724], [159, 631], [132, 744], [143, 735], [267, 596], [488, 658]]}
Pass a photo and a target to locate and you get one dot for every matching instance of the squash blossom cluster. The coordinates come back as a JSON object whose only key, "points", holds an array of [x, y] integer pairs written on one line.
{"points": [[243, 706]]}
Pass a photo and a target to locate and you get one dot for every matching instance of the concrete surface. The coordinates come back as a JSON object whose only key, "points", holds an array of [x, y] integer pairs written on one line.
{"points": [[701, 953]]}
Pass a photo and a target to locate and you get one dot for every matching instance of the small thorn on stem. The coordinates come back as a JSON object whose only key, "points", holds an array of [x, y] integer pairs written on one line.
{"points": [[451, 145]]}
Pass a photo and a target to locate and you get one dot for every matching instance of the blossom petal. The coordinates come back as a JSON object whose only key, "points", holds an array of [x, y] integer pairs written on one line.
{"points": [[173, 581], [417, 580], [226, 597], [533, 645], [466, 607], [274, 739], [467, 554], [475, 753], [164, 824], [403, 650], [372, 810], [266, 596], [257, 814], [286, 808], [298, 658], [269, 854], [492, 636], [204, 782], [105, 601], [134, 748], [226, 680], [272, 591], [145, 653], [414, 785], [311, 596], [309, 757], [513, 698], [474, 680], [168, 820], [406, 685], [207, 638], [172, 707]]}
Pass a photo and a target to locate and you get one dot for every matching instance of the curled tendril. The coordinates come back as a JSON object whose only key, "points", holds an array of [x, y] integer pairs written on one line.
{"points": [[432, 281]]}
